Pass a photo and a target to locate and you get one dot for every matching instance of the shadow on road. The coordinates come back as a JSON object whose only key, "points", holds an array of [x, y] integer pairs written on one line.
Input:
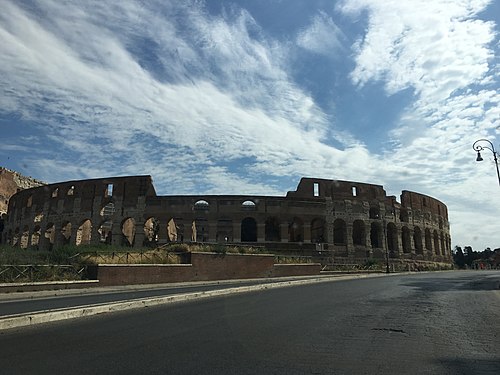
{"points": [[471, 366], [482, 282]]}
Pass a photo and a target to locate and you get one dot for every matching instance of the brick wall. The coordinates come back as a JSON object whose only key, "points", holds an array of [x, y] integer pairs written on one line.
{"points": [[203, 267]]}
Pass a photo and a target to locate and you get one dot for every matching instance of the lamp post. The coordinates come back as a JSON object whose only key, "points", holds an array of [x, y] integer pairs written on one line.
{"points": [[478, 148]]}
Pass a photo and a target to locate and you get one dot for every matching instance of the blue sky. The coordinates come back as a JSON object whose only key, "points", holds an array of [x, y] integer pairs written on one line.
{"points": [[246, 97]]}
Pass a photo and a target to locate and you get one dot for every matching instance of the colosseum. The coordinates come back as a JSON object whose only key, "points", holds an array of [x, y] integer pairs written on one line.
{"points": [[348, 220]]}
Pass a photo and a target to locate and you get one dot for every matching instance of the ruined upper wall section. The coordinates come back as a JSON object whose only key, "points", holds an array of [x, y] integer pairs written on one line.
{"points": [[123, 189], [10, 183], [322, 188], [424, 203]]}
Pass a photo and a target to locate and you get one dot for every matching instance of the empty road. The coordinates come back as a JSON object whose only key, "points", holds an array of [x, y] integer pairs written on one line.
{"points": [[433, 323]]}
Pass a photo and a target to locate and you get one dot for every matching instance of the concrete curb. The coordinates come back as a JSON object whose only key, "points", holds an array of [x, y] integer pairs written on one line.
{"points": [[28, 319]]}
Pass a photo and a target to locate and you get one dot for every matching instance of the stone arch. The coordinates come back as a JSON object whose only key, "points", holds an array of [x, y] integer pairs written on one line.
{"points": [[224, 230], [151, 229], [374, 212], [358, 233], [25, 237], [339, 232], [84, 233], [50, 235], [201, 205], [406, 239], [248, 205], [376, 235], [417, 240], [16, 237], [128, 231], [248, 230], [392, 238], [106, 232], [175, 229], [318, 230], [428, 239], [272, 229], [436, 243], [296, 230], [404, 215], [66, 232], [108, 210], [35, 236], [199, 230]]}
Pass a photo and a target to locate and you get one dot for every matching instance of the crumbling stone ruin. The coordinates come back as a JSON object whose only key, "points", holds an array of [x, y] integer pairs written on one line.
{"points": [[10, 183], [346, 219]]}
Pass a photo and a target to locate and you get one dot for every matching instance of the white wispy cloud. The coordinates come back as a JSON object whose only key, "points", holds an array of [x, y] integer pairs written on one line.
{"points": [[322, 36], [444, 53], [207, 103]]}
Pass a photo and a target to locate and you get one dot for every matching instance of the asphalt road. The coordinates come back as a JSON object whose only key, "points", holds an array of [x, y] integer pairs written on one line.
{"points": [[29, 302], [436, 323]]}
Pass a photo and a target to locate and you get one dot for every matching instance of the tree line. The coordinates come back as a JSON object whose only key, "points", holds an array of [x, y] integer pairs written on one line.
{"points": [[469, 258]]}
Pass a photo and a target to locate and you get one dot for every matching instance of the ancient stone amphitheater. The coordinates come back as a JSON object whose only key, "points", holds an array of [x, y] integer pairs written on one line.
{"points": [[349, 220]]}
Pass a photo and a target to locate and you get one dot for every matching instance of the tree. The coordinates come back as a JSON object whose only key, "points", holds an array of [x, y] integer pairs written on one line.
{"points": [[458, 257]]}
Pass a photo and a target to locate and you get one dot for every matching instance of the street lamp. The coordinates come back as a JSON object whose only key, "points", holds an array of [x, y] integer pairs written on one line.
{"points": [[478, 148]]}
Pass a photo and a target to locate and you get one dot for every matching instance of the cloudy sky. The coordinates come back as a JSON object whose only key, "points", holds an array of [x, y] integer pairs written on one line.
{"points": [[230, 97]]}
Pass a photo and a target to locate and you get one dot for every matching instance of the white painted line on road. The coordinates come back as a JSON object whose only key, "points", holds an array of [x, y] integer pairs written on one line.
{"points": [[39, 317]]}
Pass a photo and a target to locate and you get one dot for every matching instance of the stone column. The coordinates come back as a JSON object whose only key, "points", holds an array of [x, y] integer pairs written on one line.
{"points": [[307, 232], [212, 231], [236, 231], [284, 232], [261, 232], [139, 234]]}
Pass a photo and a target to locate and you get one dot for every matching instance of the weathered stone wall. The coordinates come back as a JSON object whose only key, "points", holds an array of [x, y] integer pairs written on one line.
{"points": [[10, 183], [341, 218]]}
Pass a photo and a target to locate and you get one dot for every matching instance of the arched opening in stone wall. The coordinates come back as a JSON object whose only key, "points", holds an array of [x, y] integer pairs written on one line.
{"points": [[339, 232], [200, 230], [376, 235], [224, 230], [66, 233], [105, 232], [201, 205], [417, 240], [49, 236], [374, 212], [428, 239], [358, 233], [108, 210], [35, 237], [175, 229], [25, 237], [84, 233], [248, 230], [151, 229], [403, 215], [392, 238], [406, 239], [15, 237], [318, 232], [128, 231], [272, 229], [296, 230], [38, 217], [436, 243]]}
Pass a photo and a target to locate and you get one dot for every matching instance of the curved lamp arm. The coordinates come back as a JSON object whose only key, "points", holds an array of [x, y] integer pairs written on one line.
{"points": [[478, 148]]}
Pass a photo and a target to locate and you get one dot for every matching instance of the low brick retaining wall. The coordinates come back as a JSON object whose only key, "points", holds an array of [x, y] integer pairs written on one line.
{"points": [[203, 267]]}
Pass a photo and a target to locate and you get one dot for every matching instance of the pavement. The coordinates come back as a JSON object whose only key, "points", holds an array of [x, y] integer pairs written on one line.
{"points": [[36, 307]]}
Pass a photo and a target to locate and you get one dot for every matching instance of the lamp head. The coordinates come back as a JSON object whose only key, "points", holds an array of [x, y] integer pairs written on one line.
{"points": [[479, 158]]}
